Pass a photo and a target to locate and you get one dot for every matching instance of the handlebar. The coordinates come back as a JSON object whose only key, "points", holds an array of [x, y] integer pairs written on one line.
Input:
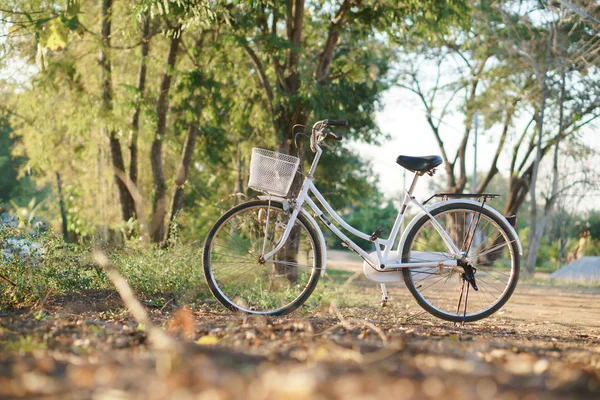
{"points": [[337, 122], [321, 132], [332, 135]]}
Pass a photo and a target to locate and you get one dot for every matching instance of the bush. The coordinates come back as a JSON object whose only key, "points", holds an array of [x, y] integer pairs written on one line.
{"points": [[61, 268]]}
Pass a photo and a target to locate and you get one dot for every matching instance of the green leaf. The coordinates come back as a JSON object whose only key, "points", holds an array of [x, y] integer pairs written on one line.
{"points": [[73, 7], [42, 21], [72, 23]]}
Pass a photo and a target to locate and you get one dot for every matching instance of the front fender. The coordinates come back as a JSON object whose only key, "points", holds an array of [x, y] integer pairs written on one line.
{"points": [[314, 224], [435, 206]]}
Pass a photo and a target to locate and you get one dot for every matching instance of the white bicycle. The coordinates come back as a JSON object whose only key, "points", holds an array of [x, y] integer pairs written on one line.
{"points": [[266, 256]]}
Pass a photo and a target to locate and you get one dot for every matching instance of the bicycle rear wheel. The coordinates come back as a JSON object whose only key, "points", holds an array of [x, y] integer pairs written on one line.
{"points": [[233, 266], [490, 251]]}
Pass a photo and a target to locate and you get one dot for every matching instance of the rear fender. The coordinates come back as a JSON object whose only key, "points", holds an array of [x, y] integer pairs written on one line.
{"points": [[311, 220]]}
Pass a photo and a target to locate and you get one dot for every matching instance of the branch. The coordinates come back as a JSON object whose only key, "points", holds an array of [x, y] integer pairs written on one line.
{"points": [[456, 49], [295, 23], [518, 146], [578, 115], [437, 81], [5, 11], [138, 43], [494, 166], [531, 146], [578, 127], [326, 56], [428, 109], [262, 75], [550, 201], [8, 110], [445, 107]]}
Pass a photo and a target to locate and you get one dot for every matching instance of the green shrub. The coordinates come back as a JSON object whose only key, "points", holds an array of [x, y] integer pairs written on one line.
{"points": [[60, 268]]}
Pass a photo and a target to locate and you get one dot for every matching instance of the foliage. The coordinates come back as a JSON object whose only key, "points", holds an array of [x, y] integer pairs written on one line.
{"points": [[366, 218], [589, 225], [216, 83], [8, 165], [59, 269], [245, 74]]}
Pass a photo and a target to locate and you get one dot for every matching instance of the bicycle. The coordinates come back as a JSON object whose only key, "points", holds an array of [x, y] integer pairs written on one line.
{"points": [[266, 256]]}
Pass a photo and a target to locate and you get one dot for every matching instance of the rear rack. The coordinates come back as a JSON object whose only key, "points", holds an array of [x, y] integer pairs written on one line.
{"points": [[483, 197]]}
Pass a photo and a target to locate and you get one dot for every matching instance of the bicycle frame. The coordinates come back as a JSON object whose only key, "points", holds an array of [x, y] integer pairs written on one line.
{"points": [[385, 261]]}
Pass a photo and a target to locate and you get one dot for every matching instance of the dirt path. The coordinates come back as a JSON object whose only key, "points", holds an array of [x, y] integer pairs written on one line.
{"points": [[536, 304], [545, 343]]}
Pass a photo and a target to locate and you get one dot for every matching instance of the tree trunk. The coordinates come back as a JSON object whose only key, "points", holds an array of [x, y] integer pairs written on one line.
{"points": [[494, 165], [157, 228], [63, 212], [116, 154], [182, 172], [539, 229], [135, 118], [534, 235], [239, 182], [517, 193]]}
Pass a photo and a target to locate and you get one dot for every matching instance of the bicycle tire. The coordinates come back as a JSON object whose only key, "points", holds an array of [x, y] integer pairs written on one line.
{"points": [[254, 293], [504, 245]]}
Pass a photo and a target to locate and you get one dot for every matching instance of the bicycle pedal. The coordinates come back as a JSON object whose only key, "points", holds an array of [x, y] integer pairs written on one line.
{"points": [[376, 234]]}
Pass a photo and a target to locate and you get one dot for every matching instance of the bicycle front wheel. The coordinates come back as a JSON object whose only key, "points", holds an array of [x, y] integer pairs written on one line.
{"points": [[233, 261], [490, 256]]}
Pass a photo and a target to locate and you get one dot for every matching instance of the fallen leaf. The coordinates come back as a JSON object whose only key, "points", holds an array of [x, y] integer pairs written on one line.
{"points": [[208, 340]]}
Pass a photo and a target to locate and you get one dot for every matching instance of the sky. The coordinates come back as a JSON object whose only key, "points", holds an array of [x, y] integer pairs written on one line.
{"points": [[403, 119]]}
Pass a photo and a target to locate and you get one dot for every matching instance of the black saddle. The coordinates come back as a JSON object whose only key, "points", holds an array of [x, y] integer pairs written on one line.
{"points": [[419, 164]]}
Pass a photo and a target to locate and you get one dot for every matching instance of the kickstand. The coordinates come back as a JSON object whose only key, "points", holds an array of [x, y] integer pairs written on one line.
{"points": [[462, 291], [465, 309], [384, 295]]}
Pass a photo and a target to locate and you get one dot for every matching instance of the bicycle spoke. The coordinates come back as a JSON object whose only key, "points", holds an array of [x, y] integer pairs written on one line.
{"points": [[290, 264], [492, 249], [424, 289], [488, 250], [480, 279], [239, 278]]}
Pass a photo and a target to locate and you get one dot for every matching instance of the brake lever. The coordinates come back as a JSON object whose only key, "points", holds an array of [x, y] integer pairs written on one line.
{"points": [[328, 147]]}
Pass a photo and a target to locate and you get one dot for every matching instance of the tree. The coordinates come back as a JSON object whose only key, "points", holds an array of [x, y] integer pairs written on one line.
{"points": [[104, 60], [231, 77], [553, 51], [472, 73], [9, 166], [303, 75]]}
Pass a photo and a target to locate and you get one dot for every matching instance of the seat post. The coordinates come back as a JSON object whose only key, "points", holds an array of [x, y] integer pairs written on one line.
{"points": [[406, 200], [414, 183]]}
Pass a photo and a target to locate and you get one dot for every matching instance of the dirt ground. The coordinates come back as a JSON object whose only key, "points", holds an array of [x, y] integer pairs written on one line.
{"points": [[544, 344]]}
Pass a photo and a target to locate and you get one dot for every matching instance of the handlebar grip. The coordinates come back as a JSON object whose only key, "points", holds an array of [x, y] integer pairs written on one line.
{"points": [[337, 122]]}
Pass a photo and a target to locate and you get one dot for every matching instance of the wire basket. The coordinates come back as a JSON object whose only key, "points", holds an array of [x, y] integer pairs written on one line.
{"points": [[272, 172]]}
